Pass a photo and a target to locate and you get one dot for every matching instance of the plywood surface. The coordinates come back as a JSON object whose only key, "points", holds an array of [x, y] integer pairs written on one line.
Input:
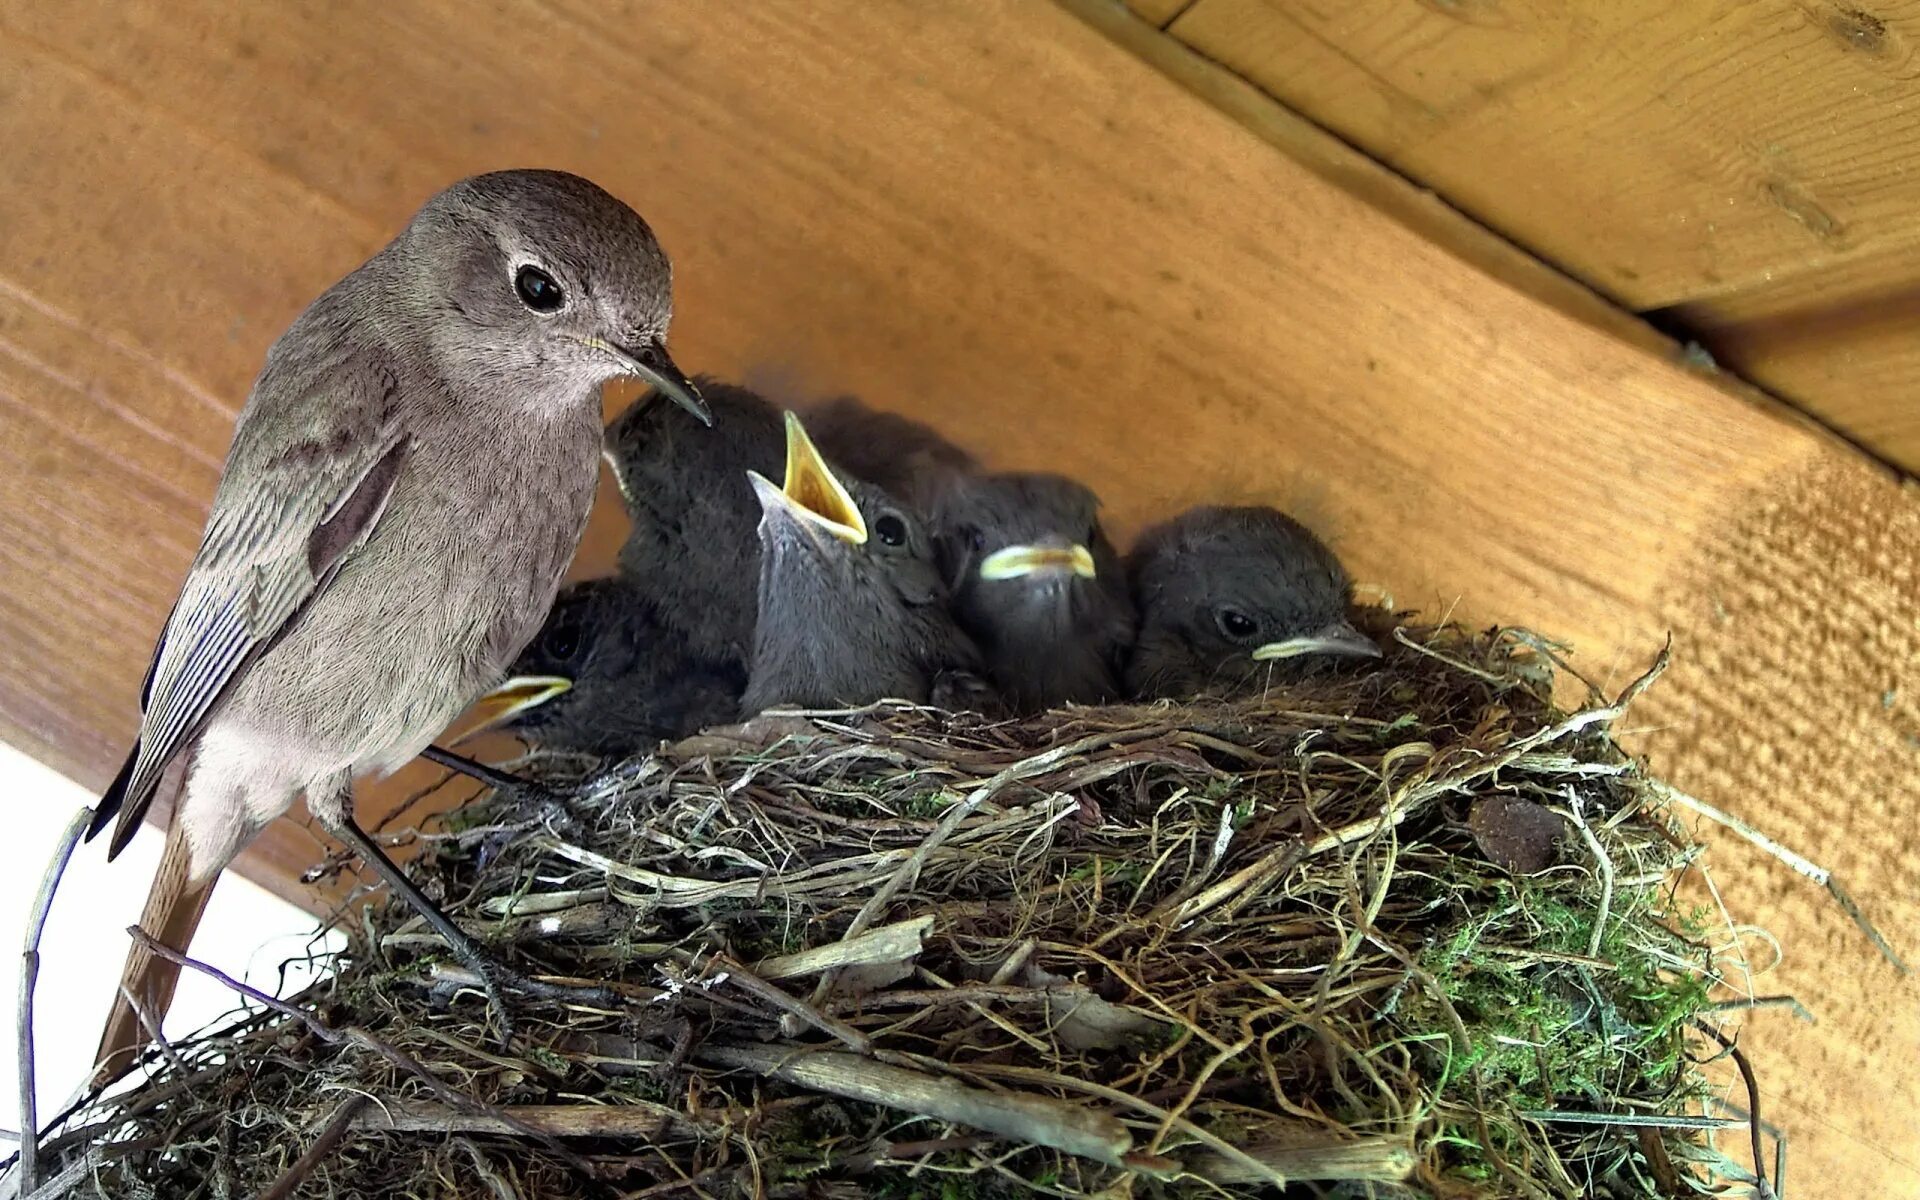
{"points": [[989, 215], [1725, 156]]}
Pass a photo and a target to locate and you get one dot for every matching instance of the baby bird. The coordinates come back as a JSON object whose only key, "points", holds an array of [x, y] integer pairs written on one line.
{"points": [[608, 676], [1038, 586], [693, 540], [1228, 595], [852, 607]]}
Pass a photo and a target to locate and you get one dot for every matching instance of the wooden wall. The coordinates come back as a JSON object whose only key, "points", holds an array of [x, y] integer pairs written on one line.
{"points": [[991, 215], [1746, 170]]}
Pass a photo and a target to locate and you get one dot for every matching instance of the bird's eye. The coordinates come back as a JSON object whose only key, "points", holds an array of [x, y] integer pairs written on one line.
{"points": [[1236, 624], [537, 290], [890, 529], [563, 641], [976, 540]]}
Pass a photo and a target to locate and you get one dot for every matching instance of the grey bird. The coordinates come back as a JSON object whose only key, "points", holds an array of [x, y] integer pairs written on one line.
{"points": [[1229, 598], [406, 485], [852, 605], [694, 513], [693, 542], [609, 676], [1038, 586]]}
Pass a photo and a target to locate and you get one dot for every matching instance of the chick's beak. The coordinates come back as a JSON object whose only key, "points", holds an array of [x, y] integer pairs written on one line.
{"points": [[510, 699], [650, 364], [1019, 562], [1339, 638], [811, 495]]}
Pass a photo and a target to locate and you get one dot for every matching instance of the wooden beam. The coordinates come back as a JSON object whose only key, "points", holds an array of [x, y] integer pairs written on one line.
{"points": [[989, 215], [1752, 169], [1663, 152], [1839, 344]]}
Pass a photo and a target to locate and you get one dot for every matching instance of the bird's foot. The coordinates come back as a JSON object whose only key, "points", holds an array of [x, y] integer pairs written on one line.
{"points": [[499, 981]]}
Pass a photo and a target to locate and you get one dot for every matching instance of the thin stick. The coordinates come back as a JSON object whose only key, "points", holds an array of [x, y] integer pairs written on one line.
{"points": [[152, 1029], [1744, 1003], [325, 1033], [29, 975], [1605, 864], [1753, 1104], [1798, 862], [1554, 1116], [330, 1137]]}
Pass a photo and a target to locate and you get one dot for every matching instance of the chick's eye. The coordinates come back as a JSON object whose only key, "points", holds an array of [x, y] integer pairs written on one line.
{"points": [[1236, 624], [976, 541], [890, 529], [537, 289], [563, 642]]}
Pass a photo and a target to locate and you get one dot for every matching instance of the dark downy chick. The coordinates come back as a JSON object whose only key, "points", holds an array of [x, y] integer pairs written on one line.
{"points": [[1231, 598], [852, 606], [1038, 586], [608, 676], [693, 541]]}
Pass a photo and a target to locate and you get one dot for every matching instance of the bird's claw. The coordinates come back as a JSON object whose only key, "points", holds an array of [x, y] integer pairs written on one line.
{"points": [[499, 981]]}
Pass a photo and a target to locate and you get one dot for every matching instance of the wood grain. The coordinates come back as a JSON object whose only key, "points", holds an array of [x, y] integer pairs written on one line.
{"points": [[1718, 159], [1706, 147], [993, 217], [1841, 345]]}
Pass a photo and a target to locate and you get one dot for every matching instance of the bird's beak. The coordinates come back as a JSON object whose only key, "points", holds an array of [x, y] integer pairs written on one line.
{"points": [[1018, 562], [1338, 638], [650, 365], [811, 495], [512, 698]]}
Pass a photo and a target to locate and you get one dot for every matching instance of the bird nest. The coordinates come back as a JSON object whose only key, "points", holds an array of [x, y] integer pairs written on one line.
{"points": [[1411, 932]]}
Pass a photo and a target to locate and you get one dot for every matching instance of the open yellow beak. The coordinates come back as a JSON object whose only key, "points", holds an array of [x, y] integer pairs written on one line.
{"points": [[1340, 639], [811, 492], [512, 698], [1018, 562]]}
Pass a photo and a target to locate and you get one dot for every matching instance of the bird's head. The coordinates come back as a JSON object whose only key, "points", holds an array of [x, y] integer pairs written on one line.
{"points": [[532, 278], [1240, 588], [576, 661], [815, 507], [1009, 538]]}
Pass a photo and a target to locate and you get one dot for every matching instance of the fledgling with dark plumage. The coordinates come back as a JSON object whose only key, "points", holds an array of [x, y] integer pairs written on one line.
{"points": [[609, 676], [406, 485], [1232, 598], [1038, 586], [852, 605], [693, 544]]}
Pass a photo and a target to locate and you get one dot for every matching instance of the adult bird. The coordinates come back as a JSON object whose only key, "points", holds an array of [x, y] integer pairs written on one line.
{"points": [[1037, 584], [407, 482], [1231, 597]]}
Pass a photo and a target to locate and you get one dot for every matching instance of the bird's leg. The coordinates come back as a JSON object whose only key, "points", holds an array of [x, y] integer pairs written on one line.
{"points": [[493, 777], [495, 977]]}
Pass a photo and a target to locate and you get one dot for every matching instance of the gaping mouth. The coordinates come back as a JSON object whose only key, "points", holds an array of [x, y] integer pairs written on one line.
{"points": [[811, 494], [1019, 562]]}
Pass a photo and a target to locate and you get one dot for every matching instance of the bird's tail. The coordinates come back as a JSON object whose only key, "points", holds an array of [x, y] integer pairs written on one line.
{"points": [[173, 912]]}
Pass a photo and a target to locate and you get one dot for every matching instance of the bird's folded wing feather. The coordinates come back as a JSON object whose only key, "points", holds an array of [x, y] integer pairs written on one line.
{"points": [[307, 478]]}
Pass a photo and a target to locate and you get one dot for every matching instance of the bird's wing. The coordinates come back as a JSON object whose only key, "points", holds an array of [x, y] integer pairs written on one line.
{"points": [[308, 476]]}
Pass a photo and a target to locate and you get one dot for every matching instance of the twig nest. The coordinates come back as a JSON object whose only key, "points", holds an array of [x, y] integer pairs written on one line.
{"points": [[1394, 929]]}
